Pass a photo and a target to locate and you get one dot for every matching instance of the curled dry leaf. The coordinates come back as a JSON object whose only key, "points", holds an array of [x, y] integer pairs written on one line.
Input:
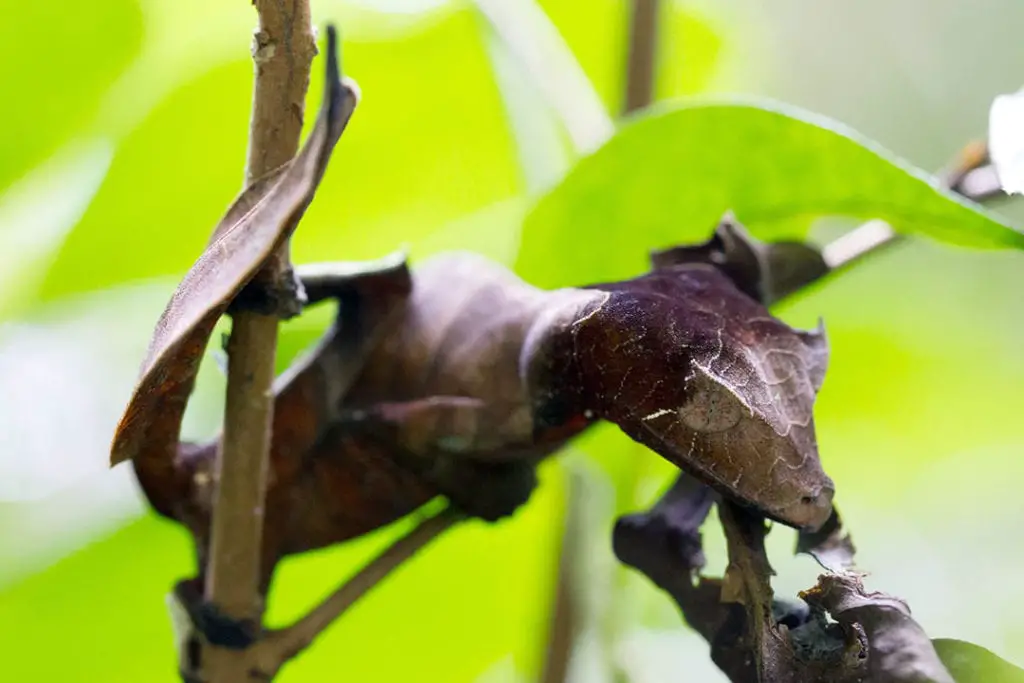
{"points": [[830, 545], [899, 651], [756, 637], [665, 544], [256, 225]]}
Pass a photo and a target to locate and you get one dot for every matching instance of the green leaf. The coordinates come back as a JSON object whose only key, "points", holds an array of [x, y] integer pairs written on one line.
{"points": [[667, 176], [544, 155], [970, 663], [690, 49]]}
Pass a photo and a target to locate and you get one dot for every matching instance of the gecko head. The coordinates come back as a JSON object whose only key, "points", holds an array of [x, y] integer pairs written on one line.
{"points": [[688, 365], [751, 443]]}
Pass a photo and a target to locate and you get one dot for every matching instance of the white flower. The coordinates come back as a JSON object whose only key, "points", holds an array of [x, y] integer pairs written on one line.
{"points": [[1006, 140]]}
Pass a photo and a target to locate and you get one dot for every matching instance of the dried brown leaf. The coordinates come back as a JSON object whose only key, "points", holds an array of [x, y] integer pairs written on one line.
{"points": [[899, 651], [255, 226], [830, 545], [664, 543]]}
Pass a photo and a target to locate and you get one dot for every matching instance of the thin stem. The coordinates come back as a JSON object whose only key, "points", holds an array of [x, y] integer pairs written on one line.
{"points": [[565, 612], [283, 50], [641, 60], [858, 243], [970, 175], [237, 524], [280, 646]]}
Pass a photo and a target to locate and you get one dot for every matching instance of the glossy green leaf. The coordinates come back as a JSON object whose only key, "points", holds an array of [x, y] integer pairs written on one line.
{"points": [[970, 663], [543, 85], [667, 177]]}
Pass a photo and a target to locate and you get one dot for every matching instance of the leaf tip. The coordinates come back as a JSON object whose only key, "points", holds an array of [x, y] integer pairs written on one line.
{"points": [[119, 450]]}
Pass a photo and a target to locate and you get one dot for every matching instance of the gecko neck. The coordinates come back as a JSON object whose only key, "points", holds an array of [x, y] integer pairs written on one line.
{"points": [[550, 363]]}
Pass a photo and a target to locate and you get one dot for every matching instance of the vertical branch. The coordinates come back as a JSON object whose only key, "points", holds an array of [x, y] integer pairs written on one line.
{"points": [[565, 610], [641, 57], [283, 50]]}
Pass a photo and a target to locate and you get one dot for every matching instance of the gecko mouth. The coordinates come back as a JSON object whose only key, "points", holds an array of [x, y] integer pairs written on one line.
{"points": [[808, 510], [808, 513]]}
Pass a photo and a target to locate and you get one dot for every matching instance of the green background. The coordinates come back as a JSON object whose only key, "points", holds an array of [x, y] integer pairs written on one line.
{"points": [[123, 139]]}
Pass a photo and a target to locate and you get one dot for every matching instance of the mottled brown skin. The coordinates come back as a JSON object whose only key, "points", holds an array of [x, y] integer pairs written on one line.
{"points": [[459, 379]]}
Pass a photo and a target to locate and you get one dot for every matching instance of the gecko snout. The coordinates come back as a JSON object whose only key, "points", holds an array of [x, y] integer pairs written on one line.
{"points": [[810, 512]]}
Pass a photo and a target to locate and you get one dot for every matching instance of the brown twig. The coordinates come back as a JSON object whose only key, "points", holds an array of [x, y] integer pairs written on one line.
{"points": [[280, 646], [283, 50], [970, 174], [641, 58], [565, 612]]}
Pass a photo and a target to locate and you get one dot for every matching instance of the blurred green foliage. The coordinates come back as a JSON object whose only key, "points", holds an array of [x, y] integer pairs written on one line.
{"points": [[918, 422]]}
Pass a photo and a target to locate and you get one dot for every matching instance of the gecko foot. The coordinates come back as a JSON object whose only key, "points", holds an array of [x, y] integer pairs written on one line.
{"points": [[215, 626], [282, 297]]}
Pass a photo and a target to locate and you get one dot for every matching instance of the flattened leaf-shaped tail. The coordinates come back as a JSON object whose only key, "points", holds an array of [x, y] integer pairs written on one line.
{"points": [[898, 649], [258, 222]]}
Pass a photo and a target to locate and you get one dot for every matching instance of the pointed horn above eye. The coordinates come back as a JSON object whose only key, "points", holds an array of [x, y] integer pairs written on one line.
{"points": [[816, 341], [818, 333]]}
